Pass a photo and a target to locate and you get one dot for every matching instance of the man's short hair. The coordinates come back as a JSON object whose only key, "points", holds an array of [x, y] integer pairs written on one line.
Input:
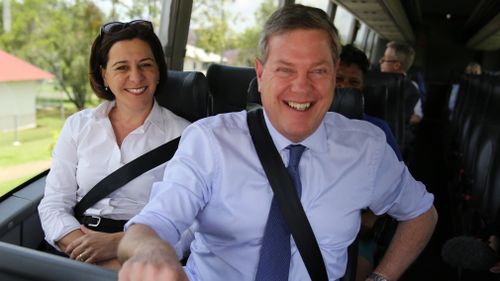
{"points": [[293, 17], [405, 54], [352, 55]]}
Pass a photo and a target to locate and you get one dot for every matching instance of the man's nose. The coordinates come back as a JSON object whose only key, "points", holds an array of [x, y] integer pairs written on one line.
{"points": [[301, 83]]}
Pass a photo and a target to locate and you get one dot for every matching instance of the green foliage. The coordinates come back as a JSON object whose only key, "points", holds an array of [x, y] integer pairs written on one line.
{"points": [[56, 35], [247, 41], [213, 26], [7, 186]]}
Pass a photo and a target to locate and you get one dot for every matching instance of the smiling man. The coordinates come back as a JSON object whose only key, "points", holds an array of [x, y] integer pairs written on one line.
{"points": [[216, 178]]}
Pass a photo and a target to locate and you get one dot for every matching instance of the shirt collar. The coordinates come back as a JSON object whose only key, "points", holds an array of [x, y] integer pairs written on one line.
{"points": [[155, 117], [103, 109], [317, 141]]}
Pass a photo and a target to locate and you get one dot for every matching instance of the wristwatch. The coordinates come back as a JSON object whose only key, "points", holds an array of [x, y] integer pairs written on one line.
{"points": [[377, 277]]}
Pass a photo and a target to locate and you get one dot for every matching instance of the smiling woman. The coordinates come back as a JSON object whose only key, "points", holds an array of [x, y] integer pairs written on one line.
{"points": [[127, 69]]}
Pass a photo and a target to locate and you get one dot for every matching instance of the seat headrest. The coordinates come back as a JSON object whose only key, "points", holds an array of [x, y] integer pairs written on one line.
{"points": [[228, 86], [253, 95], [186, 94], [348, 102]]}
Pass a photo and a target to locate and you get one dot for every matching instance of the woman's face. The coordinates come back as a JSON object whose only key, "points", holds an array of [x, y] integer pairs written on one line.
{"points": [[132, 74]]}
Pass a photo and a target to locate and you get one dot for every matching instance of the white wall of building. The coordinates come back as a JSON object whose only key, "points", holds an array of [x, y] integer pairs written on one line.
{"points": [[18, 104]]}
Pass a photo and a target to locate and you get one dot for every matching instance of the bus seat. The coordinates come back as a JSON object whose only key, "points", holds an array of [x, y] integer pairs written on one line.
{"points": [[253, 94], [22, 264], [186, 95], [384, 98], [228, 86], [348, 102]]}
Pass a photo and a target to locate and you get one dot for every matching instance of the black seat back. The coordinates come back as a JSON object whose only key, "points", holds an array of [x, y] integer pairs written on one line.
{"points": [[228, 86], [384, 98], [348, 102], [186, 95]]}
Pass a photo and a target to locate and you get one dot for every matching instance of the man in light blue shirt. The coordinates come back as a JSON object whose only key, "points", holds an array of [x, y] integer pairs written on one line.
{"points": [[217, 180]]}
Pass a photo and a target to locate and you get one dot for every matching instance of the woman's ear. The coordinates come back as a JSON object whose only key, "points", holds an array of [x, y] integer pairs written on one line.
{"points": [[103, 75]]}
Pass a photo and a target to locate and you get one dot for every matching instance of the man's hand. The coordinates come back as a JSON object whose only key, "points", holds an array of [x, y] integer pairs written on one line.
{"points": [[153, 266], [145, 256]]}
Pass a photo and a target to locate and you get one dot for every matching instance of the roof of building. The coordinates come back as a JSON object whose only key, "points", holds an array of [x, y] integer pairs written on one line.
{"points": [[16, 69]]}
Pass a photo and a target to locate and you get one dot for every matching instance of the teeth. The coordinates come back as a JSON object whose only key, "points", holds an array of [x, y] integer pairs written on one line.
{"points": [[137, 91], [299, 106]]}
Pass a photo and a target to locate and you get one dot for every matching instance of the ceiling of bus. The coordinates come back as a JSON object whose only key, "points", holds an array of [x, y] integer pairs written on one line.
{"points": [[477, 22]]}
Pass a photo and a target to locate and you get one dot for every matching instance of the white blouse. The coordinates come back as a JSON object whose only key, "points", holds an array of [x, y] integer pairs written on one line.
{"points": [[86, 152]]}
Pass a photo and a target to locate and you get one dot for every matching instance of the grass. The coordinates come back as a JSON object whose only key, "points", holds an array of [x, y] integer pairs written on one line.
{"points": [[7, 186], [35, 145]]}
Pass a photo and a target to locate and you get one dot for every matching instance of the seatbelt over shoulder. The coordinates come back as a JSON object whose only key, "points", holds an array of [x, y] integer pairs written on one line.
{"points": [[126, 173], [286, 196]]}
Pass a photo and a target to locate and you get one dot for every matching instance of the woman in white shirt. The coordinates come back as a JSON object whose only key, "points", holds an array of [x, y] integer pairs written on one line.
{"points": [[127, 69]]}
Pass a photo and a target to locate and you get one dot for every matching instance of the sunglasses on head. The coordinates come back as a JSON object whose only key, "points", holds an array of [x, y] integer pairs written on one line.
{"points": [[116, 26]]}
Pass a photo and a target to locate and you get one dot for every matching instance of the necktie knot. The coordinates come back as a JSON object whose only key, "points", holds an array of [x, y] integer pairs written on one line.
{"points": [[296, 151]]}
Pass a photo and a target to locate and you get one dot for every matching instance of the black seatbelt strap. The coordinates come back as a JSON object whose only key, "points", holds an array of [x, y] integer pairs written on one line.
{"points": [[126, 173], [286, 196]]}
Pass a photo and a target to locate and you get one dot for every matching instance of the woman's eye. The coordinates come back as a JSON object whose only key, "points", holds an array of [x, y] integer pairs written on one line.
{"points": [[121, 68]]}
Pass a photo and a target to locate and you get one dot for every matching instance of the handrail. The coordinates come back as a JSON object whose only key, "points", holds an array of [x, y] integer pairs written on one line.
{"points": [[22, 264]]}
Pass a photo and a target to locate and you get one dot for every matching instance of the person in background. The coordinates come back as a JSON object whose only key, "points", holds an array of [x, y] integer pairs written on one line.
{"points": [[398, 58], [216, 178], [350, 74], [127, 69]]}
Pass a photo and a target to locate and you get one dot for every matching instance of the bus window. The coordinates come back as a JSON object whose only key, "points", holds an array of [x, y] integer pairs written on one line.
{"points": [[345, 23], [322, 4], [360, 40], [43, 77], [225, 32]]}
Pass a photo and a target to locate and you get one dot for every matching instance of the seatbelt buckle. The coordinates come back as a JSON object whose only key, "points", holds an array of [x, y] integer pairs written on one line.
{"points": [[97, 223]]}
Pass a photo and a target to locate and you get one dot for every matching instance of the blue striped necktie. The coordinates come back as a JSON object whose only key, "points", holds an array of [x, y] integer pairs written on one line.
{"points": [[274, 262]]}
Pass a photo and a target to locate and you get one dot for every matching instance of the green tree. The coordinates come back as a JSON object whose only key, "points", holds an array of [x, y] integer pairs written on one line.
{"points": [[213, 26], [56, 35], [247, 41]]}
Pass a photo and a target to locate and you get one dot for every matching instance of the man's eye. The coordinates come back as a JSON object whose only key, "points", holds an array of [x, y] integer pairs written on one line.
{"points": [[355, 83], [319, 71]]}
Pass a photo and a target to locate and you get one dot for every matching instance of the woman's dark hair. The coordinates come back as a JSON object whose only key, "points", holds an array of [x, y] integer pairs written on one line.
{"points": [[103, 43]]}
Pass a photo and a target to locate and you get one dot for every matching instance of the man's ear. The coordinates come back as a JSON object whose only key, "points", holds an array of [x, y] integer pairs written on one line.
{"points": [[259, 68], [398, 66]]}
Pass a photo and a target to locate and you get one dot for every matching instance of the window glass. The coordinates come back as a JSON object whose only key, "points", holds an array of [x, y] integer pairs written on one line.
{"points": [[322, 4], [344, 22], [47, 44], [226, 32], [360, 36]]}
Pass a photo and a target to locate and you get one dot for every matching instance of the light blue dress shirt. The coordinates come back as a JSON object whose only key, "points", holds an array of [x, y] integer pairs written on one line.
{"points": [[216, 178]]}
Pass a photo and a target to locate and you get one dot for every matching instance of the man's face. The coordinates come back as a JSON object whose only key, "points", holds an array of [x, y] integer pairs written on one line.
{"points": [[389, 62], [350, 76], [297, 81]]}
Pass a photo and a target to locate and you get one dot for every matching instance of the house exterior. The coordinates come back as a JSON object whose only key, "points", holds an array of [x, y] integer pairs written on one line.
{"points": [[197, 59], [19, 83]]}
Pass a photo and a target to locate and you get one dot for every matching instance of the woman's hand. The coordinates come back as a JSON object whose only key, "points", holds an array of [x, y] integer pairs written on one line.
{"points": [[94, 246]]}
